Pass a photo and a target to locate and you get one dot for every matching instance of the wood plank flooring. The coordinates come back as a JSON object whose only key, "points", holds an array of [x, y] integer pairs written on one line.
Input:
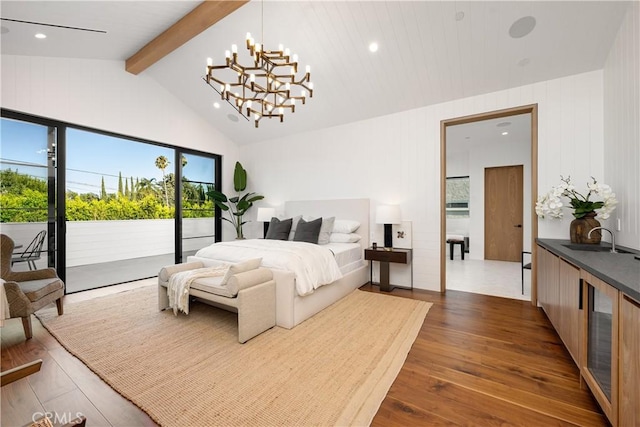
{"points": [[478, 360]]}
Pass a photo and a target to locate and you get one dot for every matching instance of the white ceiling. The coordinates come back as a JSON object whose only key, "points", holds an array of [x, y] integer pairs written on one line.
{"points": [[426, 56]]}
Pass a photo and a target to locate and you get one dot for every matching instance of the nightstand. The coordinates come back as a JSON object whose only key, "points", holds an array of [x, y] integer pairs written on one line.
{"points": [[384, 257]]}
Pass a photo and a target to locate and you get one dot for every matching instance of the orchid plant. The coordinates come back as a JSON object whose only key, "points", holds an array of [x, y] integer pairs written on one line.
{"points": [[551, 204]]}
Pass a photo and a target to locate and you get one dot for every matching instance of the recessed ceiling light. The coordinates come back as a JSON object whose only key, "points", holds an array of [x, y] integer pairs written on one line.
{"points": [[505, 133], [41, 36], [232, 117], [503, 124], [4, 30], [459, 16], [216, 105], [373, 47], [522, 27], [524, 62]]}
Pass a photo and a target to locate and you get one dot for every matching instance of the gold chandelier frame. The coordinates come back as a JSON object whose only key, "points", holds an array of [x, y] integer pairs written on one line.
{"points": [[268, 89]]}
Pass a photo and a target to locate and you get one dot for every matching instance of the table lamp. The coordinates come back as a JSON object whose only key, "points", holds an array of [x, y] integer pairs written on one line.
{"points": [[264, 216], [387, 215]]}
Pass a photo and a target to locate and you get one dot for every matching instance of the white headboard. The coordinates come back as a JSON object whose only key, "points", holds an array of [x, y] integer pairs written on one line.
{"points": [[355, 209]]}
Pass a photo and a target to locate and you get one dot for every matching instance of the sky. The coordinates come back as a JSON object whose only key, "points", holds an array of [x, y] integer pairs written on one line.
{"points": [[91, 156]]}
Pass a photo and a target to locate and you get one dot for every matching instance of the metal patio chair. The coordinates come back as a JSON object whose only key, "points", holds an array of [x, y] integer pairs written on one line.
{"points": [[32, 253]]}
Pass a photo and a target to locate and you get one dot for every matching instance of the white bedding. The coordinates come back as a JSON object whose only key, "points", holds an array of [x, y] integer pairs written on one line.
{"points": [[346, 254], [313, 265]]}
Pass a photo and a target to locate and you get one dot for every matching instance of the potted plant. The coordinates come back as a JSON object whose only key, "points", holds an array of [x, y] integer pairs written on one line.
{"points": [[238, 205], [584, 209]]}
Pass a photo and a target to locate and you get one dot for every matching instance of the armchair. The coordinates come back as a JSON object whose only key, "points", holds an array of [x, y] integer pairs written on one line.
{"points": [[28, 291]]}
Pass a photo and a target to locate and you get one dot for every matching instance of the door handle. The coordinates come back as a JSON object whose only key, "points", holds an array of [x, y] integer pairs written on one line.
{"points": [[518, 225]]}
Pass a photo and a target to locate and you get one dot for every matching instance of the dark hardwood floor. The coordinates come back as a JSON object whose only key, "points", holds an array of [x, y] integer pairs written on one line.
{"points": [[478, 360]]}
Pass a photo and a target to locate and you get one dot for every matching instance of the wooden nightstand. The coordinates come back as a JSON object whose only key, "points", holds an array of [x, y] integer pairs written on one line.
{"points": [[384, 257]]}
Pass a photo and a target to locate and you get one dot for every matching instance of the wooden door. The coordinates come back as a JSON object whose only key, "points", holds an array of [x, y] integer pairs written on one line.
{"points": [[503, 213]]}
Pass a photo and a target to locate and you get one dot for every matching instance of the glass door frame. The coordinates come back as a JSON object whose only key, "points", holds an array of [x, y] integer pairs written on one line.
{"points": [[56, 185], [178, 197]]}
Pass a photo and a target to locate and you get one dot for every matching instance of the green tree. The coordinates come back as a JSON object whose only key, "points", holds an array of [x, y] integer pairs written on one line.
{"points": [[162, 163], [133, 190], [120, 192], [103, 190]]}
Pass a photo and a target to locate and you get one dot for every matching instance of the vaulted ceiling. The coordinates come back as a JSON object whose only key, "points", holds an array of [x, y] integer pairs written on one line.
{"points": [[429, 51]]}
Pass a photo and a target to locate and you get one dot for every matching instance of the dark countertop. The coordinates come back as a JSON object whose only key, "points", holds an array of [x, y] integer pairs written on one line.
{"points": [[622, 271]]}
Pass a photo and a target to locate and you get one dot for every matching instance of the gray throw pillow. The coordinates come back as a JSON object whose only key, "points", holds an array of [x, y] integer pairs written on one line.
{"points": [[308, 231], [279, 230], [325, 230]]}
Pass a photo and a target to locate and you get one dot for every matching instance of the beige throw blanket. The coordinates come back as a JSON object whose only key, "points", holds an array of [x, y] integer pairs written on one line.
{"points": [[180, 283]]}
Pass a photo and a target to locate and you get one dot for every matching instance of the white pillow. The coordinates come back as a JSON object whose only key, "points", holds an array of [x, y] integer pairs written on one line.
{"points": [[344, 238], [241, 267], [345, 226], [325, 230]]}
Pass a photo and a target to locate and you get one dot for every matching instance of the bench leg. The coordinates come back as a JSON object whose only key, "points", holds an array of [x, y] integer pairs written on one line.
{"points": [[256, 310], [163, 298]]}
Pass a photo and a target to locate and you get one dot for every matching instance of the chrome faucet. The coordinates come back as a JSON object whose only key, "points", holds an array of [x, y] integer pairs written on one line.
{"points": [[613, 239]]}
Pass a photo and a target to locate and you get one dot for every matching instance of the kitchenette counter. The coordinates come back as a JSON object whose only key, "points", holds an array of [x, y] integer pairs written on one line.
{"points": [[621, 270]]}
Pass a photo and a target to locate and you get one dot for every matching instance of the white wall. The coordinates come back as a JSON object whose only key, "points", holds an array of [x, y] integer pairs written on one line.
{"points": [[622, 126], [102, 95], [396, 158]]}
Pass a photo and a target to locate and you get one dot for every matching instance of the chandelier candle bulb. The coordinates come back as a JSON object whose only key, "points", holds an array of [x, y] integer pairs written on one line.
{"points": [[280, 47], [227, 54], [287, 52], [234, 48]]}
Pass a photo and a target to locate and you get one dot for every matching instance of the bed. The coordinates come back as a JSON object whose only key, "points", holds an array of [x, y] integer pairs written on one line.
{"points": [[296, 299]]}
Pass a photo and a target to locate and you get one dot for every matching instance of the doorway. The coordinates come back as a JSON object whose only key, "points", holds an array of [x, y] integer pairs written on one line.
{"points": [[484, 157], [503, 213]]}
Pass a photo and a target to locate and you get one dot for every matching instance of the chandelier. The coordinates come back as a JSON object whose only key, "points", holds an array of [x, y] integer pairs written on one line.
{"points": [[267, 88]]}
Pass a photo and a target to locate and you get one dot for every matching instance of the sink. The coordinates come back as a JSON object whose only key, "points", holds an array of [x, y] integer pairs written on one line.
{"points": [[593, 248]]}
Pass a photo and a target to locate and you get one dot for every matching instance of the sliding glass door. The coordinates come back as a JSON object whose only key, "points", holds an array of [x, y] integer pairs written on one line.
{"points": [[27, 192], [119, 209], [114, 209], [197, 211]]}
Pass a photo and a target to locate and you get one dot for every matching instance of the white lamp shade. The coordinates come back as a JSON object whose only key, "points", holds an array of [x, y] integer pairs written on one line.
{"points": [[265, 214], [388, 214]]}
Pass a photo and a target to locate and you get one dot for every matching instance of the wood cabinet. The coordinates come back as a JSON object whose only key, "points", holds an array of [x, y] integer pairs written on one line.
{"points": [[600, 327], [569, 308], [599, 366], [629, 382], [548, 293], [559, 294]]}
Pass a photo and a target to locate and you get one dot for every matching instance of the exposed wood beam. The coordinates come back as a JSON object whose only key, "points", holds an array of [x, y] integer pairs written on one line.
{"points": [[199, 19]]}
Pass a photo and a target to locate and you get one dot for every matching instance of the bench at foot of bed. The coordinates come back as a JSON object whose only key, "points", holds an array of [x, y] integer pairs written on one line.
{"points": [[251, 294]]}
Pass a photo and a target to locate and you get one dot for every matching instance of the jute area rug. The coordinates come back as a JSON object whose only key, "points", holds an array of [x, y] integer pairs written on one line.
{"points": [[333, 369]]}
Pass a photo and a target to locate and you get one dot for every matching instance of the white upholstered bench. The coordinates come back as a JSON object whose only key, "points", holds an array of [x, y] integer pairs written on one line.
{"points": [[251, 294]]}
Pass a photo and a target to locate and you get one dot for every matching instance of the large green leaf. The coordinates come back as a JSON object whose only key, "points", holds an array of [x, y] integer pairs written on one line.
{"points": [[217, 196], [239, 178]]}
